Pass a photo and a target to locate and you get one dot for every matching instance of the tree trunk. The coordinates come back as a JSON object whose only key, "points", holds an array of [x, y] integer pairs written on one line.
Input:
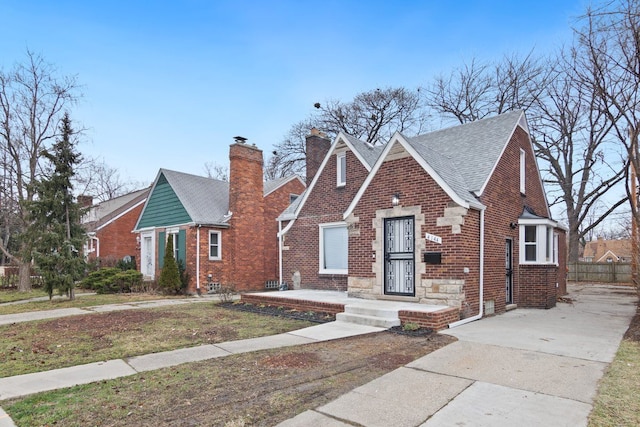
{"points": [[574, 242], [24, 275]]}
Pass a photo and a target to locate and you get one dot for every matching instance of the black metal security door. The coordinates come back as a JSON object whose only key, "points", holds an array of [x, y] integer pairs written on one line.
{"points": [[399, 257], [509, 270]]}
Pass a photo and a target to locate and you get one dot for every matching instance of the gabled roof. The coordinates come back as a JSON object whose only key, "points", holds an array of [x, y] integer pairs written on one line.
{"points": [[474, 148], [206, 200], [461, 159], [598, 250], [366, 153], [103, 213]]}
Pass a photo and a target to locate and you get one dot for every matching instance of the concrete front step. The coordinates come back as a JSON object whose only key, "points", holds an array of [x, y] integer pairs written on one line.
{"points": [[370, 316], [362, 319]]}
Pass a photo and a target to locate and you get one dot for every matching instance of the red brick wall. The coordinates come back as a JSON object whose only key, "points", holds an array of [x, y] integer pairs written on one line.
{"points": [[417, 188], [246, 238], [326, 203], [505, 204], [274, 204], [538, 286], [117, 240]]}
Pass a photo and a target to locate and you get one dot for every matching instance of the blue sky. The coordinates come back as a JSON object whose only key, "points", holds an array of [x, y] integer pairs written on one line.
{"points": [[169, 84]]}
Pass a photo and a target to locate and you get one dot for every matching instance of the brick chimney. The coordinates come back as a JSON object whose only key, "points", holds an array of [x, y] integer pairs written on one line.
{"points": [[317, 147], [246, 202]]}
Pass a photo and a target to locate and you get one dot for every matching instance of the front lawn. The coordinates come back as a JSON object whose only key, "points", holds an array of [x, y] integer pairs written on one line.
{"points": [[50, 344]]}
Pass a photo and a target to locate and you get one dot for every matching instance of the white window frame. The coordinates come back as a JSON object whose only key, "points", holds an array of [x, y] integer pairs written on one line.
{"points": [[218, 245], [173, 233], [321, 260], [523, 170], [341, 170], [546, 242]]}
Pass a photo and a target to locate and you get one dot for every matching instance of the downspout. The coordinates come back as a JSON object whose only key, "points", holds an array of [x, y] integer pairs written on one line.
{"points": [[279, 254], [479, 315], [198, 260]]}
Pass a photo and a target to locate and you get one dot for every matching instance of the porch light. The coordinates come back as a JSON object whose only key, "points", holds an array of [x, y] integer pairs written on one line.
{"points": [[395, 200]]}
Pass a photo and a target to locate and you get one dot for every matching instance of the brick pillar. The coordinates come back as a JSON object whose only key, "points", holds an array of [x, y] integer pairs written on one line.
{"points": [[246, 202]]}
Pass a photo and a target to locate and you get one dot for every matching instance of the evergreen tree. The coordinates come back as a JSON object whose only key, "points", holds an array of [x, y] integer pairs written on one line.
{"points": [[169, 280], [55, 234]]}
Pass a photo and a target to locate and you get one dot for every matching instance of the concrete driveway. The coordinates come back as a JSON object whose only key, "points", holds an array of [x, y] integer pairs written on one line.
{"points": [[526, 367]]}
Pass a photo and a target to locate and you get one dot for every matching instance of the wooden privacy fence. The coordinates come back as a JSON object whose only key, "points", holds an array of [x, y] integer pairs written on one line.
{"points": [[600, 272]]}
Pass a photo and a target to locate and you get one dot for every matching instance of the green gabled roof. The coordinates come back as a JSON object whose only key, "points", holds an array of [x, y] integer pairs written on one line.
{"points": [[163, 207]]}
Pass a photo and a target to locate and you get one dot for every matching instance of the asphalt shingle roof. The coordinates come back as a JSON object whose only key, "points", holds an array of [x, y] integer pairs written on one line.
{"points": [[369, 153], [473, 149]]}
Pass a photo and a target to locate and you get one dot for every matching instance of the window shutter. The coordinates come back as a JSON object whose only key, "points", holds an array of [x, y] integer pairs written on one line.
{"points": [[182, 246], [162, 242]]}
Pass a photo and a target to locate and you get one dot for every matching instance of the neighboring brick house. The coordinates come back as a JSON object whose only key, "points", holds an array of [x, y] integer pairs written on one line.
{"points": [[109, 225], [223, 232], [456, 217], [602, 250]]}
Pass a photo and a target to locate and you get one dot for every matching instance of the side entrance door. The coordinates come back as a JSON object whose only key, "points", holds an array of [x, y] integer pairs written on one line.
{"points": [[509, 270], [399, 256]]}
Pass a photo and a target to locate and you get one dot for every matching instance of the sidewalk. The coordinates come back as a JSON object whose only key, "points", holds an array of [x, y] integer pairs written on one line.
{"points": [[526, 367]]}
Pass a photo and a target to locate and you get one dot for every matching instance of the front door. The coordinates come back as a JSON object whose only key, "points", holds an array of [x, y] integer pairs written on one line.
{"points": [[399, 257], [147, 261], [509, 270]]}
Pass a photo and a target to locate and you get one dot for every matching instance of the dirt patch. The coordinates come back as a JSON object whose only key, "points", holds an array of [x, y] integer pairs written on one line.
{"points": [[260, 388], [268, 310]]}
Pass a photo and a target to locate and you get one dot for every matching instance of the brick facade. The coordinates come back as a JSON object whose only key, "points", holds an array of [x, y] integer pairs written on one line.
{"points": [[326, 204], [455, 281], [116, 239]]}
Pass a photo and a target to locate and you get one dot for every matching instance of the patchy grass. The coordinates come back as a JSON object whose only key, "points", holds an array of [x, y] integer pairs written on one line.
{"points": [[81, 301], [260, 388], [618, 400], [11, 295], [51, 344]]}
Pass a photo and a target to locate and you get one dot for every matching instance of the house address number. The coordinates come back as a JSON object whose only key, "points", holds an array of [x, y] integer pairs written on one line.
{"points": [[433, 238]]}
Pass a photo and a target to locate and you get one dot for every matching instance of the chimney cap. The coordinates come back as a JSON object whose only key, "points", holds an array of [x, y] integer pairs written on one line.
{"points": [[240, 139], [317, 132]]}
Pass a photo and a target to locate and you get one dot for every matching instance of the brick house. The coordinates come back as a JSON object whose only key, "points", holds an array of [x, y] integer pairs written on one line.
{"points": [[108, 225], [456, 217], [602, 250], [223, 232]]}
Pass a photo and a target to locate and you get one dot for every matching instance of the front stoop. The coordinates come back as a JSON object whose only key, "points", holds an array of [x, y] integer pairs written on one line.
{"points": [[369, 316]]}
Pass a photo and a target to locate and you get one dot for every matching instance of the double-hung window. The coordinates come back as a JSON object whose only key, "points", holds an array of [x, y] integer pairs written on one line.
{"points": [[538, 242], [215, 245], [334, 248], [341, 169]]}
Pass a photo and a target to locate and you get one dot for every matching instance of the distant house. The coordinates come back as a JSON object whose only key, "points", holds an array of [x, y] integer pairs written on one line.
{"points": [[602, 250], [109, 225], [456, 217], [223, 232]]}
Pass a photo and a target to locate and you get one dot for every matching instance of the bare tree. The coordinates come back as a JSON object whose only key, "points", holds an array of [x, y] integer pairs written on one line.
{"points": [[609, 42], [102, 182], [477, 90], [372, 116], [573, 137], [32, 100], [217, 171]]}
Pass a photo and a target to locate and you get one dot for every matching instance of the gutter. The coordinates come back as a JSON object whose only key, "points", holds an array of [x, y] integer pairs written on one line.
{"points": [[479, 315]]}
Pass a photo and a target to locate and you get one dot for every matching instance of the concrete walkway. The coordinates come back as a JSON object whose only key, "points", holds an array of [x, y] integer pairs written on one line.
{"points": [[526, 367]]}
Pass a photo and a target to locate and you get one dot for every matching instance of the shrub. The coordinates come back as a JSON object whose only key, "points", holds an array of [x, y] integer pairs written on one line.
{"points": [[410, 327], [112, 280], [126, 265], [226, 292], [169, 281]]}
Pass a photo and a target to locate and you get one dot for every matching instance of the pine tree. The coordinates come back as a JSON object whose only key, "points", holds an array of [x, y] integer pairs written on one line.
{"points": [[55, 234], [169, 281]]}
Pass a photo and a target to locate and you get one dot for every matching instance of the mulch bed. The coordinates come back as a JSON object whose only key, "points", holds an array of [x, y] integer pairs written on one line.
{"points": [[312, 316]]}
